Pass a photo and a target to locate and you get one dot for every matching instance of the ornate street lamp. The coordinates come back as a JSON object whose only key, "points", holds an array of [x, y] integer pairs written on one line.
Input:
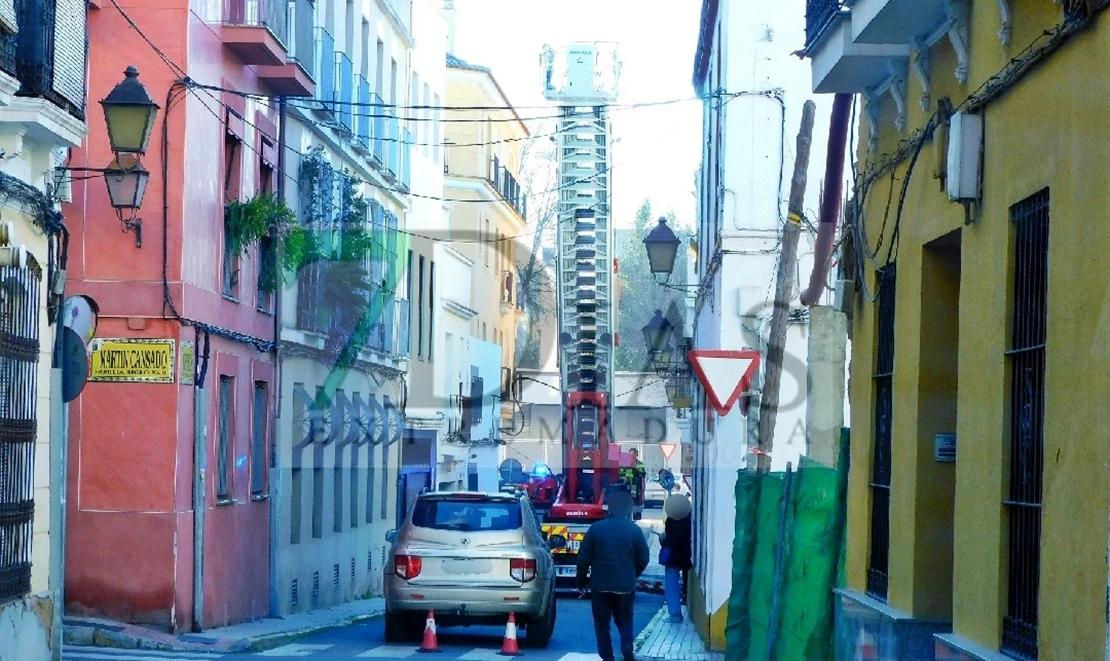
{"points": [[657, 337], [126, 183], [662, 247], [129, 112], [126, 179]]}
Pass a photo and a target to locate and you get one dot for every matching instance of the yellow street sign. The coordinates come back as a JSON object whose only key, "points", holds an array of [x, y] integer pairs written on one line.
{"points": [[131, 360]]}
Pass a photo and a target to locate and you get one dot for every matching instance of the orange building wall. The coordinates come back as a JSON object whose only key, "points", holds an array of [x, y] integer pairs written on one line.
{"points": [[129, 545]]}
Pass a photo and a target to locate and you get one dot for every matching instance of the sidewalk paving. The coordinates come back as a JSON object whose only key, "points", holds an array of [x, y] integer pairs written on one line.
{"points": [[652, 578], [254, 636], [663, 640]]}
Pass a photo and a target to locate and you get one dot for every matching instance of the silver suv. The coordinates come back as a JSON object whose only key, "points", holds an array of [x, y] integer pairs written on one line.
{"points": [[473, 558]]}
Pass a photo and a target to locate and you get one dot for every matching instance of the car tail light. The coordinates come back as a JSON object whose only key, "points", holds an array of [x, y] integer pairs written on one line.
{"points": [[522, 569], [407, 566]]}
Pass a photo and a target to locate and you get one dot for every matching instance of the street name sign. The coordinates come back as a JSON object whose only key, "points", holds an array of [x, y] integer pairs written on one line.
{"points": [[725, 375], [131, 360]]}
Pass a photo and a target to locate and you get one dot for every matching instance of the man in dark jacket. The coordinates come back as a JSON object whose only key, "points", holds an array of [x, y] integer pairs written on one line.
{"points": [[617, 553]]}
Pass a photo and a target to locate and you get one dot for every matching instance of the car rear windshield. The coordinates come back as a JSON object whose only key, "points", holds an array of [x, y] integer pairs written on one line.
{"points": [[467, 515]]}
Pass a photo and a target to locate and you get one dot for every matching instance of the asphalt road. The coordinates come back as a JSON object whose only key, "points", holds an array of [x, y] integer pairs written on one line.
{"points": [[573, 641]]}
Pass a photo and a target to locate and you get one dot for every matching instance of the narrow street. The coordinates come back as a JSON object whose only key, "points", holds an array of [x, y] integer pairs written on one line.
{"points": [[573, 640]]}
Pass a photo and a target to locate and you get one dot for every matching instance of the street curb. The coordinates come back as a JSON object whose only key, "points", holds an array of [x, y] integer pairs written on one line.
{"points": [[646, 632], [263, 643], [124, 637]]}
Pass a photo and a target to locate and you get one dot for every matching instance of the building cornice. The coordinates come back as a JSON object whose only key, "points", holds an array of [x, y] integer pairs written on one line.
{"points": [[459, 309], [454, 252], [297, 343], [45, 122], [403, 30]]}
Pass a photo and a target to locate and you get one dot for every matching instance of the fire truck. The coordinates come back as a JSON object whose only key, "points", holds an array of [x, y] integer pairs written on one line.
{"points": [[581, 78]]}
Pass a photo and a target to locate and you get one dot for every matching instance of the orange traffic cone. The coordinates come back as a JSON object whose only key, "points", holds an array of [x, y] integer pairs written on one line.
{"points": [[431, 641], [510, 647]]}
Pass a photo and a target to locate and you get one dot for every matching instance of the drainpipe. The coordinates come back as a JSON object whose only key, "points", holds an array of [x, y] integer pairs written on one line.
{"points": [[200, 440], [830, 204], [275, 467]]}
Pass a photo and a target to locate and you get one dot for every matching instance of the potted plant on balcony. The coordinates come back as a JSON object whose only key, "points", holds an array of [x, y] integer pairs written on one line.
{"points": [[264, 219]]}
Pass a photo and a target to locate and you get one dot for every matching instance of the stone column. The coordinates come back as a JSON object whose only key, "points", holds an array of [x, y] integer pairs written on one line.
{"points": [[825, 385]]}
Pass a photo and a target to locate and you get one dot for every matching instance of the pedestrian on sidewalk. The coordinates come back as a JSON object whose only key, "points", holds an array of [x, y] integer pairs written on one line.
{"points": [[675, 553], [612, 556]]}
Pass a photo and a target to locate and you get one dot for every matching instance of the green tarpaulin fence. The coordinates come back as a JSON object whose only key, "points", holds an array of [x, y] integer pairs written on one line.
{"points": [[809, 566]]}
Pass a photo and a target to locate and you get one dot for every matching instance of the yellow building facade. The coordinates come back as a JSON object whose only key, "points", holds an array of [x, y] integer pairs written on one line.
{"points": [[983, 318], [488, 205]]}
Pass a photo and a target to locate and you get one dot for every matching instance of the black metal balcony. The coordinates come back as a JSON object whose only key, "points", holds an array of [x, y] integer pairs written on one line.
{"points": [[819, 13], [48, 54], [508, 187], [8, 47]]}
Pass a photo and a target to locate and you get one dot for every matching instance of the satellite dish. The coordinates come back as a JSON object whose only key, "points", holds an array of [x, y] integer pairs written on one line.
{"points": [[81, 314], [75, 365]]}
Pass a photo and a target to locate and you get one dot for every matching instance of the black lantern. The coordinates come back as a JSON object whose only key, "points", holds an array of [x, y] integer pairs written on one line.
{"points": [[657, 337], [126, 183], [662, 247], [129, 112]]}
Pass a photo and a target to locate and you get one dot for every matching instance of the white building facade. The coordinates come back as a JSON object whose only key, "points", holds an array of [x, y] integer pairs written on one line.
{"points": [[42, 115], [453, 345], [360, 152], [753, 92]]}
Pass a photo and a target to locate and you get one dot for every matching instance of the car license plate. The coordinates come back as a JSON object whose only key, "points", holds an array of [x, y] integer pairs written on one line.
{"points": [[566, 570], [460, 566]]}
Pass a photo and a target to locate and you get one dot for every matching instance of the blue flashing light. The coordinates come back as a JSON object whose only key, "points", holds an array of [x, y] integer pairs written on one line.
{"points": [[541, 470]]}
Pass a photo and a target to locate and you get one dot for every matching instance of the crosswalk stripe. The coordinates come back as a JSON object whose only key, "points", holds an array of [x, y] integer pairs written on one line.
{"points": [[389, 652], [481, 655], [112, 654], [578, 656], [295, 650]]}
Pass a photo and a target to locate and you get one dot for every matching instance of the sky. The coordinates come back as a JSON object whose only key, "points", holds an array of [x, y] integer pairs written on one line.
{"points": [[659, 147]]}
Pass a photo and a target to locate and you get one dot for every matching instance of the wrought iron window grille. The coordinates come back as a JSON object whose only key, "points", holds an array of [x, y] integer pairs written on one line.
{"points": [[1026, 356], [879, 557], [19, 355]]}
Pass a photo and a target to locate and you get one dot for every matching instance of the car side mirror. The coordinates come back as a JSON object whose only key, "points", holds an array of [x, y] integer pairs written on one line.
{"points": [[391, 537]]}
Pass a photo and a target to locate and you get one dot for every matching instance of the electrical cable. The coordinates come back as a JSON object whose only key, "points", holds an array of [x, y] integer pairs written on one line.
{"points": [[401, 192], [489, 108]]}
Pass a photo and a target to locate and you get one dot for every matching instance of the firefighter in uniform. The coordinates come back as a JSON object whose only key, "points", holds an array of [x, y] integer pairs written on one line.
{"points": [[634, 475]]}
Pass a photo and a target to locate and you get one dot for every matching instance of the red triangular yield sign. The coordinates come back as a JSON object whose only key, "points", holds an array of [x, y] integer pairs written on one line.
{"points": [[725, 375], [668, 449]]}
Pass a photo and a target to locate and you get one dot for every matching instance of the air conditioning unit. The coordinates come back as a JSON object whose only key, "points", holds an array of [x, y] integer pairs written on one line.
{"points": [[965, 148]]}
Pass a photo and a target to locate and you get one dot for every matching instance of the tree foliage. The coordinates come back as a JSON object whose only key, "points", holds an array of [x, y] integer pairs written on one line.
{"points": [[640, 294], [539, 179]]}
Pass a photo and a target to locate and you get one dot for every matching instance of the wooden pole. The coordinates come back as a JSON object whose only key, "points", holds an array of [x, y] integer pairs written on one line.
{"points": [[784, 289]]}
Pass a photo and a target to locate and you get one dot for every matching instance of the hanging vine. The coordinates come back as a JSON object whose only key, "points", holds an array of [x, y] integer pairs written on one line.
{"points": [[264, 220]]}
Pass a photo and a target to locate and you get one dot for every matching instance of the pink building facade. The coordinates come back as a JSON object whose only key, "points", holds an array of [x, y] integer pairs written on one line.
{"points": [[156, 532]]}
